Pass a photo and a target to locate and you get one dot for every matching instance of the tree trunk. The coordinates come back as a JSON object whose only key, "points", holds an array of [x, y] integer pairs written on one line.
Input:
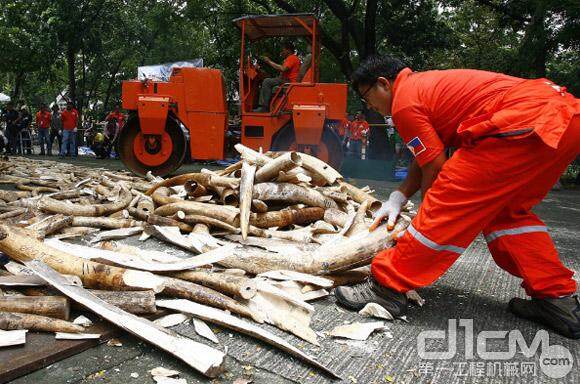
{"points": [[72, 85], [18, 82], [533, 52], [113, 73], [370, 36], [378, 144]]}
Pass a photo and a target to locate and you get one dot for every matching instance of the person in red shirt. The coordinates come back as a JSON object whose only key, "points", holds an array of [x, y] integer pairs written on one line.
{"points": [[358, 130], [117, 115], [289, 70], [513, 138], [343, 126], [69, 118], [43, 117]]}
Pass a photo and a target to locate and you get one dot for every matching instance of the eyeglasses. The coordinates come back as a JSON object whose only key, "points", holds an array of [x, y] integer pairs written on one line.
{"points": [[363, 95]]}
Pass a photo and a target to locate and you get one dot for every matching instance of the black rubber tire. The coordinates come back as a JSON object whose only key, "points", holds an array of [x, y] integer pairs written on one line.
{"points": [[285, 137], [127, 137]]}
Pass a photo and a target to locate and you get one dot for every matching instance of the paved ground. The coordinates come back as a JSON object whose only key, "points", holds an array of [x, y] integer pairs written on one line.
{"points": [[474, 289]]}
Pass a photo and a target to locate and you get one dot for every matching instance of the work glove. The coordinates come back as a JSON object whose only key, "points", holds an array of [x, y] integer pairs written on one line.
{"points": [[390, 210]]}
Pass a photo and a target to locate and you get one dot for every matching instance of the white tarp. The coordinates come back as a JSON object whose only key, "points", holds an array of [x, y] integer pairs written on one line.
{"points": [[4, 98], [161, 72]]}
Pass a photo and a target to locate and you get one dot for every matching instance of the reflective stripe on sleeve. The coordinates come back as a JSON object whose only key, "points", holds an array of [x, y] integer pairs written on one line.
{"points": [[431, 244], [515, 231]]}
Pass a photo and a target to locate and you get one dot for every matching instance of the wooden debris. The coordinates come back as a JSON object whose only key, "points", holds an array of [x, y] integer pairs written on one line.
{"points": [[282, 163], [76, 336], [83, 320], [116, 234], [51, 224], [18, 246], [357, 331], [160, 371], [246, 188], [48, 204], [136, 262], [231, 285], [21, 281], [297, 276], [14, 320], [292, 194], [11, 338], [51, 306], [171, 320], [285, 216], [375, 310], [204, 330], [206, 360], [135, 302], [216, 316], [284, 311]]}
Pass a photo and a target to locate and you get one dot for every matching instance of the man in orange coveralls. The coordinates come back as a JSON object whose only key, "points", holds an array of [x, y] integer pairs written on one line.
{"points": [[514, 137]]}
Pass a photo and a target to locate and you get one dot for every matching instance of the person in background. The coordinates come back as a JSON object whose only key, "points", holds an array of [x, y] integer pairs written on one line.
{"points": [[55, 129], [11, 117], [288, 74], [117, 115], [24, 137], [342, 129], [43, 118], [98, 146], [111, 134], [69, 118], [358, 135]]}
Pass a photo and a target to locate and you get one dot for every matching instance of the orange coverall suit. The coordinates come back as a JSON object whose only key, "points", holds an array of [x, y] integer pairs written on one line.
{"points": [[514, 138]]}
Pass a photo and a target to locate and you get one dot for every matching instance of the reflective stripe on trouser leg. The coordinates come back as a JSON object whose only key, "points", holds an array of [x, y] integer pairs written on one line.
{"points": [[415, 262], [431, 244], [515, 231]]}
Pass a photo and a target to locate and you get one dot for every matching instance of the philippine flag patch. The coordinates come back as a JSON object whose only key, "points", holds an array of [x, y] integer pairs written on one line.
{"points": [[416, 146]]}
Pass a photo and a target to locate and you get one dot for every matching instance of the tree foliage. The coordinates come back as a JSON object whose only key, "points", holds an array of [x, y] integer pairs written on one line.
{"points": [[87, 47]]}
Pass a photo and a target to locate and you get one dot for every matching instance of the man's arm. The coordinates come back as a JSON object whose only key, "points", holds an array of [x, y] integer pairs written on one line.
{"points": [[413, 181], [280, 68], [422, 177], [430, 171]]}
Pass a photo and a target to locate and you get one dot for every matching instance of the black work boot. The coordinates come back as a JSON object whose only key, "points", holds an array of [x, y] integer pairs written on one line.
{"points": [[560, 314], [370, 291]]}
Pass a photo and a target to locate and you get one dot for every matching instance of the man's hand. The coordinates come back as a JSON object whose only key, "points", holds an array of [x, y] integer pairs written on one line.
{"points": [[389, 210], [266, 59]]}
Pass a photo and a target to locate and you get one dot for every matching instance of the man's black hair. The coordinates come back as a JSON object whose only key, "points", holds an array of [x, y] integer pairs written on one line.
{"points": [[374, 67], [289, 45]]}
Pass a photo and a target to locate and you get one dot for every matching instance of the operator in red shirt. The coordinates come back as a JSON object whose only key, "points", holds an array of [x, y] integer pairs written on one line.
{"points": [[69, 118], [514, 138], [43, 117], [358, 129], [289, 70]]}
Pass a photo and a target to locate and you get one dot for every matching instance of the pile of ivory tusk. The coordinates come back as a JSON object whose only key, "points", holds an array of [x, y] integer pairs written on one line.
{"points": [[264, 237]]}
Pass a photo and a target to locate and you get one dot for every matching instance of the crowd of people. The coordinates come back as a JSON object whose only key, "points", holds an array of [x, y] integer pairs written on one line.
{"points": [[55, 125]]}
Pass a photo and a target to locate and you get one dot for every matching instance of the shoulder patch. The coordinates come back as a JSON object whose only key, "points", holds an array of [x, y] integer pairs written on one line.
{"points": [[416, 146]]}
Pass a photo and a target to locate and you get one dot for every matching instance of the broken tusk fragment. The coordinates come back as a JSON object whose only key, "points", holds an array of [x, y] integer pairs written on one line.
{"points": [[375, 310], [357, 331]]}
